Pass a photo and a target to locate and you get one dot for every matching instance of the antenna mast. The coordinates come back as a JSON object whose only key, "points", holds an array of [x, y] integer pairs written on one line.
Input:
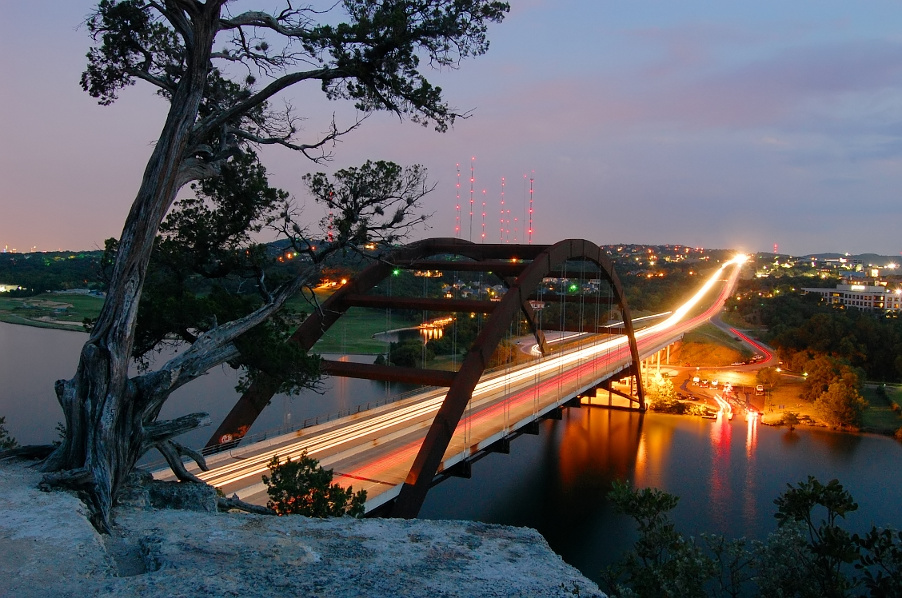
{"points": [[457, 220], [531, 179], [472, 180], [502, 210], [483, 215]]}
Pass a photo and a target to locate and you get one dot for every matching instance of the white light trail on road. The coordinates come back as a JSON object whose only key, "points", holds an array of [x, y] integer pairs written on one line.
{"points": [[256, 465]]}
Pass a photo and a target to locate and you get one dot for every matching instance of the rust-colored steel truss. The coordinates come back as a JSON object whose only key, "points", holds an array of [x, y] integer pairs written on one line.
{"points": [[521, 268]]}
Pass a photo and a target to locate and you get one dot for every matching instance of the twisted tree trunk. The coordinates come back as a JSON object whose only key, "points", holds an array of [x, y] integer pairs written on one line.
{"points": [[109, 417]]}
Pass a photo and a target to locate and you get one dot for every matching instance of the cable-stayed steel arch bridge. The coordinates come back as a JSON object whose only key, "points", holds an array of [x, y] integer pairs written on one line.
{"points": [[567, 291]]}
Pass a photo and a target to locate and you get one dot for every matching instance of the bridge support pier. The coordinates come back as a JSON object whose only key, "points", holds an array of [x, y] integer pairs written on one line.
{"points": [[593, 398], [464, 469], [502, 446], [556, 414]]}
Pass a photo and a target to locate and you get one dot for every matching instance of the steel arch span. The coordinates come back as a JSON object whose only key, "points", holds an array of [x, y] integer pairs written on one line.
{"points": [[521, 269]]}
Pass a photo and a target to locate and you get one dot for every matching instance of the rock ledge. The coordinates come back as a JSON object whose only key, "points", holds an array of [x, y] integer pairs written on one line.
{"points": [[50, 549]]}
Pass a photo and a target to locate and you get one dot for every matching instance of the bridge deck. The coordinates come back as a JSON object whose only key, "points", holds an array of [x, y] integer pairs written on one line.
{"points": [[373, 450]]}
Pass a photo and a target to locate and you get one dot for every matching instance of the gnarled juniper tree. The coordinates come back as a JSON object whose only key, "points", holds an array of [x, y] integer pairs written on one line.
{"points": [[219, 71]]}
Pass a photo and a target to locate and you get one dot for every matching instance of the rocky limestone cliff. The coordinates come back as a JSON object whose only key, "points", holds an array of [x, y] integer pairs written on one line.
{"points": [[50, 549]]}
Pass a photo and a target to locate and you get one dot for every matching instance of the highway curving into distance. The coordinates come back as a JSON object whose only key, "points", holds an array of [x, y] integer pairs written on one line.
{"points": [[374, 449]]}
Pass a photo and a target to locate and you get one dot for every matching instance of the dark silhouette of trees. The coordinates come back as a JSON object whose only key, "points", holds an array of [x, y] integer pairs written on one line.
{"points": [[51, 271], [410, 353], [801, 328], [840, 405], [303, 487], [219, 73], [810, 555], [790, 419], [6, 441]]}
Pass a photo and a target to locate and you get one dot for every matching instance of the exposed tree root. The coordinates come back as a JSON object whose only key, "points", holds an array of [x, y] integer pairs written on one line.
{"points": [[30, 452], [226, 504]]}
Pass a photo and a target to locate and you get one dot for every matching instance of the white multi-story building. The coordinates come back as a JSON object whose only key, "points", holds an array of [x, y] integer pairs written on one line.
{"points": [[862, 296]]}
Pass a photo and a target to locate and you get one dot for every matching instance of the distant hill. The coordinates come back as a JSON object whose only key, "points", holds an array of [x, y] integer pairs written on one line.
{"points": [[51, 271], [864, 258]]}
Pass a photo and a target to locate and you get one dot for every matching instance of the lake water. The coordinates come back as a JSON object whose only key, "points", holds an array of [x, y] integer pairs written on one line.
{"points": [[726, 473]]}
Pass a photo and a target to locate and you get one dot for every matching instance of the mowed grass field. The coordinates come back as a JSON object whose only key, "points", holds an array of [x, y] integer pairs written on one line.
{"points": [[353, 333], [50, 310], [879, 416]]}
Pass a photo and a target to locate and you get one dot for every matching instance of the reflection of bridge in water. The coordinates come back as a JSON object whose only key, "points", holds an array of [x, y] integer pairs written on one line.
{"points": [[397, 451]]}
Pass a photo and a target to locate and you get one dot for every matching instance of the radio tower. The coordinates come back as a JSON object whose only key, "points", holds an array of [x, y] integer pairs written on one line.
{"points": [[502, 210], [483, 215], [472, 180], [531, 179], [457, 221], [775, 248]]}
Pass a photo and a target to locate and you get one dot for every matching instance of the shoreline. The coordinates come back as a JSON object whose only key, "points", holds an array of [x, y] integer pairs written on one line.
{"points": [[47, 325]]}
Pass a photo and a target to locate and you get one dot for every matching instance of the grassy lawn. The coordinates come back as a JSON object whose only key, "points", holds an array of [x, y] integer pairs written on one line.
{"points": [[50, 310], [879, 416], [353, 332], [709, 333], [708, 345]]}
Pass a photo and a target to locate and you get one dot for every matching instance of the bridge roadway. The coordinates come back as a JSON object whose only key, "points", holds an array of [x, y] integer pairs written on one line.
{"points": [[373, 450]]}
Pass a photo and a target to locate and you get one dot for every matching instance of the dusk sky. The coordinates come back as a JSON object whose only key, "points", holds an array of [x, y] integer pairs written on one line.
{"points": [[714, 124]]}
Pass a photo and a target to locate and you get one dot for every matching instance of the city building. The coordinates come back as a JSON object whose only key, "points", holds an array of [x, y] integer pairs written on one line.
{"points": [[862, 296]]}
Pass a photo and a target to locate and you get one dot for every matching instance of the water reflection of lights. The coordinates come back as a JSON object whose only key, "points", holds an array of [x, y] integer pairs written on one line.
{"points": [[430, 334], [751, 439], [652, 451], [721, 440], [434, 329], [751, 443], [594, 440], [641, 462]]}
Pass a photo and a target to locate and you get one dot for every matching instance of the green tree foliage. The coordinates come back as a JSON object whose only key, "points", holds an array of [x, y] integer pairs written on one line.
{"points": [[662, 562], [50, 271], [458, 337], [303, 487], [799, 324], [840, 405], [880, 562], [768, 376], [830, 548], [659, 390], [809, 555], [370, 201], [207, 269], [646, 293], [834, 388], [411, 353], [6, 441], [791, 419]]}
